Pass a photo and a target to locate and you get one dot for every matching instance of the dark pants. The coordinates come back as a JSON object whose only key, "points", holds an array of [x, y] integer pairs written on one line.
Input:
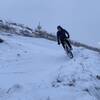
{"points": [[68, 43]]}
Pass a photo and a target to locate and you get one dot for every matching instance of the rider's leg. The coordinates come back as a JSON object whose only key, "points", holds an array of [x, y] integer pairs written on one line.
{"points": [[63, 44], [69, 44]]}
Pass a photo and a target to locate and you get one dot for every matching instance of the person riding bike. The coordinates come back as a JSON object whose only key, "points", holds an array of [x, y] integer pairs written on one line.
{"points": [[62, 38]]}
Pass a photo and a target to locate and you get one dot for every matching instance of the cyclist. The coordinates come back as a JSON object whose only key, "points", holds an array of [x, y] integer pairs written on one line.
{"points": [[61, 37]]}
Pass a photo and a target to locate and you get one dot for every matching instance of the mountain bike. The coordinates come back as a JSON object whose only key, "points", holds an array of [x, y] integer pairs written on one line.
{"points": [[68, 50]]}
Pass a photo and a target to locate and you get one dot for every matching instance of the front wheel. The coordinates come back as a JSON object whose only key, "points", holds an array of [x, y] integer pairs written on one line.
{"points": [[70, 54]]}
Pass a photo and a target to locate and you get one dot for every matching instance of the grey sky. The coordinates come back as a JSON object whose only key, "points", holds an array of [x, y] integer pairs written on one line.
{"points": [[80, 17]]}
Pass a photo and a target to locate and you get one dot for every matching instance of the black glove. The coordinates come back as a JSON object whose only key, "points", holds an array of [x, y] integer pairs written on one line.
{"points": [[58, 43]]}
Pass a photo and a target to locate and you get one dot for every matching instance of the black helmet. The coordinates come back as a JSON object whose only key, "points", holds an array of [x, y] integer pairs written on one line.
{"points": [[59, 27]]}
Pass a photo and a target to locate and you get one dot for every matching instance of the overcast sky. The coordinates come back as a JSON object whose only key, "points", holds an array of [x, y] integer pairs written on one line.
{"points": [[80, 17]]}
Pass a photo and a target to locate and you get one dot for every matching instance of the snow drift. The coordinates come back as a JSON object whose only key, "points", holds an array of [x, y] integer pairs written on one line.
{"points": [[38, 69]]}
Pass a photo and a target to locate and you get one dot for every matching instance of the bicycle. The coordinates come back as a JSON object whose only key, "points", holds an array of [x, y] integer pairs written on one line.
{"points": [[68, 50]]}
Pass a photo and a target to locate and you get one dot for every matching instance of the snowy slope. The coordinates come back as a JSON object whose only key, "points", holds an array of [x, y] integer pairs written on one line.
{"points": [[38, 69]]}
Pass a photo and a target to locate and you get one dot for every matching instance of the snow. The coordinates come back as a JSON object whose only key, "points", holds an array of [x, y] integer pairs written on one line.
{"points": [[38, 69]]}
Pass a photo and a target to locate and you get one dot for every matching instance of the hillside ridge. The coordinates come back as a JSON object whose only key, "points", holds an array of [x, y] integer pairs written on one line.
{"points": [[21, 29]]}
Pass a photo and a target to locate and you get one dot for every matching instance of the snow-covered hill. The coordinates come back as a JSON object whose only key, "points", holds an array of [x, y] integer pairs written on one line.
{"points": [[38, 69]]}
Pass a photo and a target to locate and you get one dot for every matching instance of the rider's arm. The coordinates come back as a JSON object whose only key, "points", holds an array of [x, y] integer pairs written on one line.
{"points": [[68, 36], [58, 39]]}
